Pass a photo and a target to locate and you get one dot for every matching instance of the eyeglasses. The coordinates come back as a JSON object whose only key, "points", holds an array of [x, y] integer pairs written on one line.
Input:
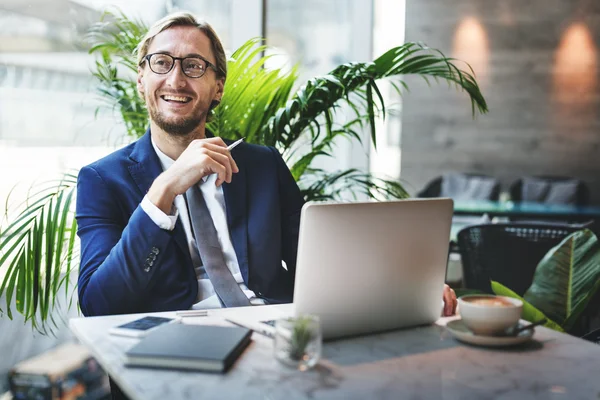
{"points": [[192, 67]]}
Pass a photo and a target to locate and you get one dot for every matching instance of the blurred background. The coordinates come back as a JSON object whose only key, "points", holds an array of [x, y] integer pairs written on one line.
{"points": [[538, 66]]}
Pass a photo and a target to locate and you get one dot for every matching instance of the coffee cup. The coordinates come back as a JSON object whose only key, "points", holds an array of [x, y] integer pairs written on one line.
{"points": [[489, 315]]}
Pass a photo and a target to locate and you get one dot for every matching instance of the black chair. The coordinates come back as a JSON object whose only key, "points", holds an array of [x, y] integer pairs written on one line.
{"points": [[509, 253], [593, 336], [462, 186], [550, 190], [506, 253]]}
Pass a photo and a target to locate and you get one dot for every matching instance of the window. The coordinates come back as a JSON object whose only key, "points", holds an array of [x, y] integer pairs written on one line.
{"points": [[320, 35]]}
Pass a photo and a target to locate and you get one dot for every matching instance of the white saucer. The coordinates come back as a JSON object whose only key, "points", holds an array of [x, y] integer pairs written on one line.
{"points": [[460, 331]]}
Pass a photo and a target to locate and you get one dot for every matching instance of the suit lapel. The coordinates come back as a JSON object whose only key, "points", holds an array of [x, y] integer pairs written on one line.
{"points": [[144, 170], [235, 201]]}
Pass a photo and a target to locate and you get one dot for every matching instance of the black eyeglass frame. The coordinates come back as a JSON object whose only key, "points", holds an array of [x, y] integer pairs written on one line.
{"points": [[181, 59]]}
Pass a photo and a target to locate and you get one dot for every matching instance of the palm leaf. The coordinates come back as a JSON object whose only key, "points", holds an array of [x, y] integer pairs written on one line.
{"points": [[115, 38], [319, 185], [323, 93], [36, 247], [567, 278], [252, 94], [323, 145], [530, 312]]}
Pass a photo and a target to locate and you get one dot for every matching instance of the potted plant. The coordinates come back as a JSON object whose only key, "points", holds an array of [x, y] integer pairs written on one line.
{"points": [[39, 248], [298, 341]]}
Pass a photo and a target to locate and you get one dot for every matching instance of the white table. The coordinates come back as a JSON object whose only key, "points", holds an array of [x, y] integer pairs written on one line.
{"points": [[419, 363]]}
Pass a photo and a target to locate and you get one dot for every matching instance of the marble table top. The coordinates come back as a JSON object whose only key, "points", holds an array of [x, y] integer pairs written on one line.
{"points": [[418, 363]]}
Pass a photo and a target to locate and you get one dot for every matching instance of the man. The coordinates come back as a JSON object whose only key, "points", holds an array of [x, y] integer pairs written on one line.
{"points": [[141, 248], [137, 244]]}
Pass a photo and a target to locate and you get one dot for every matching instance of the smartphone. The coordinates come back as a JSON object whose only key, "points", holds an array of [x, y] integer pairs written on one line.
{"points": [[141, 327]]}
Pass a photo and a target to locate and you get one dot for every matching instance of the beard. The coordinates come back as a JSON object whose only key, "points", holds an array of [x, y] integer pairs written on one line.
{"points": [[176, 126]]}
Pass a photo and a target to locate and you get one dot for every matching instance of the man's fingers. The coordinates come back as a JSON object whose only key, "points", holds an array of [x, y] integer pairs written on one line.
{"points": [[445, 297], [221, 159], [448, 307], [222, 164], [221, 172], [215, 141], [449, 301], [224, 161], [454, 302], [221, 148], [234, 164]]}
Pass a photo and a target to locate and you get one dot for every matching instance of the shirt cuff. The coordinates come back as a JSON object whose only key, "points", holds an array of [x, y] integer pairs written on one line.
{"points": [[161, 219]]}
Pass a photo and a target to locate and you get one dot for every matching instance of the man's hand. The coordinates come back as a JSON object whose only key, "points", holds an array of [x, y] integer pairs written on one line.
{"points": [[201, 158], [450, 301]]}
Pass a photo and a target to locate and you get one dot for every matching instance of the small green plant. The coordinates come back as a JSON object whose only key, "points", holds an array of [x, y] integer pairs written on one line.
{"points": [[302, 333]]}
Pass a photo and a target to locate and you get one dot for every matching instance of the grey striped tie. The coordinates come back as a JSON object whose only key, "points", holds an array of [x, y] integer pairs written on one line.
{"points": [[211, 253]]}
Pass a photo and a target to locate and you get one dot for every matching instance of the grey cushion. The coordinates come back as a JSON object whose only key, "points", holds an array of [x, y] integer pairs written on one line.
{"points": [[467, 187], [550, 192]]}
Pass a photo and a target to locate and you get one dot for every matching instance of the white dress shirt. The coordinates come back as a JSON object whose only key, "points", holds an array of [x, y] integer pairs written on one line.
{"points": [[215, 202]]}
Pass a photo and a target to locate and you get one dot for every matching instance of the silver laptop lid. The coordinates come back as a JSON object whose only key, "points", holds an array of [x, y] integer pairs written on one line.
{"points": [[370, 267]]}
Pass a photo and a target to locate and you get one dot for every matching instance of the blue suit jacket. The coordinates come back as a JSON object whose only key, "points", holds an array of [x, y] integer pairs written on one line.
{"points": [[129, 264]]}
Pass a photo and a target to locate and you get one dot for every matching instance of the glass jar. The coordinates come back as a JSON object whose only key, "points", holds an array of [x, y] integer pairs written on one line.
{"points": [[298, 341]]}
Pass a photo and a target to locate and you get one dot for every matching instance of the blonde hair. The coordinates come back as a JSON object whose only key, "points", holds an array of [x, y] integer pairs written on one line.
{"points": [[185, 19]]}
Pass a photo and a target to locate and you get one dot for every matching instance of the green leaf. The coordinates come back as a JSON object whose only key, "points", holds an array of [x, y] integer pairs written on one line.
{"points": [[32, 246], [567, 278], [116, 38], [530, 312], [11, 284], [371, 114]]}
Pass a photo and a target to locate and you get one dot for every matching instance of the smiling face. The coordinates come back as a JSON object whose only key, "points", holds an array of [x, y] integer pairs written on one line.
{"points": [[177, 104]]}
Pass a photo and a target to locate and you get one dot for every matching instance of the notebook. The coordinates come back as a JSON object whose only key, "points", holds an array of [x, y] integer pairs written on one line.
{"points": [[190, 347]]}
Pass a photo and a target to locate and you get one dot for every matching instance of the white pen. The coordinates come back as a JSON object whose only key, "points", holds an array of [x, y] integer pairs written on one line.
{"points": [[192, 313], [232, 145], [254, 326]]}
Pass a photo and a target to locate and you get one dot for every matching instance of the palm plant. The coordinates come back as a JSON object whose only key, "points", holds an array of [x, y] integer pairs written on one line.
{"points": [[258, 104], [38, 252]]}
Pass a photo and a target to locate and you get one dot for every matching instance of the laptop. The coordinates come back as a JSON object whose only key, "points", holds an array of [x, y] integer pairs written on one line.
{"points": [[372, 267]]}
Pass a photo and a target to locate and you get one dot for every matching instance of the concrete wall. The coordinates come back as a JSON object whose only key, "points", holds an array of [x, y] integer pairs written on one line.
{"points": [[537, 62]]}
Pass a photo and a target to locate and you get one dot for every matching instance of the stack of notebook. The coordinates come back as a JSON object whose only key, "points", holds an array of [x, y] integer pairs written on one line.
{"points": [[190, 347]]}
